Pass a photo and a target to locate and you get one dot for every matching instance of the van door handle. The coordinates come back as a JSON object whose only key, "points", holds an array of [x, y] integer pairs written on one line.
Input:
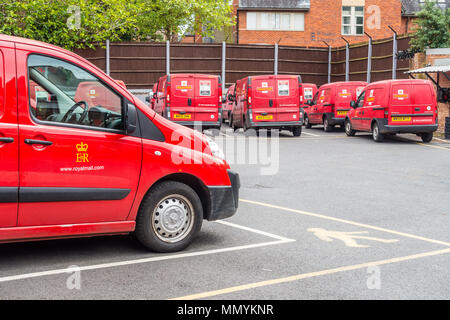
{"points": [[7, 140], [417, 109], [41, 142], [189, 102], [271, 103]]}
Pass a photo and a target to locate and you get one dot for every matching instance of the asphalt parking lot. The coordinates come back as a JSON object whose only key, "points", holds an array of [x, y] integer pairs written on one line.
{"points": [[334, 218]]}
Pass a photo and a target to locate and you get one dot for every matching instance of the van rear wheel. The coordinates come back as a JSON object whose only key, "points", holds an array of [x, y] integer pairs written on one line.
{"points": [[297, 131], [348, 129], [376, 134], [427, 137], [326, 125], [169, 218], [307, 123]]}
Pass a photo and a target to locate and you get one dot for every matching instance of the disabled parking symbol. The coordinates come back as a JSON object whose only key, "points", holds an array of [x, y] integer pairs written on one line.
{"points": [[347, 237]]}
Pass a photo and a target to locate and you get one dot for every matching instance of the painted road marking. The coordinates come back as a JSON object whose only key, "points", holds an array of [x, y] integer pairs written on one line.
{"points": [[347, 237], [408, 235], [279, 240], [432, 146], [311, 134], [254, 285]]}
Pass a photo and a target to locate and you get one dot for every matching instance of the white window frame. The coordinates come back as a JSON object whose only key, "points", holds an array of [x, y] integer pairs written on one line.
{"points": [[353, 21], [255, 21]]}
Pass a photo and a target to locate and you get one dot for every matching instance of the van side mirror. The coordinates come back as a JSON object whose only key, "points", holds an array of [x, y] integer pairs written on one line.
{"points": [[155, 95], [131, 119], [147, 99], [230, 97], [309, 102], [353, 104]]}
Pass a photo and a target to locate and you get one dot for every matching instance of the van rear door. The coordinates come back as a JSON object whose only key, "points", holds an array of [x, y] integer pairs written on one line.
{"points": [[263, 99], [400, 110], [206, 99], [287, 96], [345, 94], [424, 109], [182, 98]]}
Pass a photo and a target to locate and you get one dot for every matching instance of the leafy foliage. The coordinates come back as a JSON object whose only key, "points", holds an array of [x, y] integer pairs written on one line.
{"points": [[86, 23], [433, 28]]}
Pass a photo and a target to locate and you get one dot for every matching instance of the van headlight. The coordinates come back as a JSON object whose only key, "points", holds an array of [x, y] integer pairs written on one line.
{"points": [[215, 149]]}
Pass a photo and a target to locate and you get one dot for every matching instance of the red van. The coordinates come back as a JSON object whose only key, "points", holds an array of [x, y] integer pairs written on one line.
{"points": [[268, 102], [395, 106], [307, 92], [228, 103], [190, 99], [331, 104], [81, 156]]}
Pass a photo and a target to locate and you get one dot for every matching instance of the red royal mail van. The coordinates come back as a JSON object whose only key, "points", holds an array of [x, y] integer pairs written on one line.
{"points": [[395, 106], [190, 99], [331, 104], [307, 92], [228, 103], [80, 156], [268, 102]]}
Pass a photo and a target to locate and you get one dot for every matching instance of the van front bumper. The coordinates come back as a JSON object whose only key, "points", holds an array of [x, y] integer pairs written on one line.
{"points": [[415, 128], [224, 199]]}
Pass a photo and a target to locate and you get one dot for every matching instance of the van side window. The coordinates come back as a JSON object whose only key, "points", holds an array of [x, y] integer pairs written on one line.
{"points": [[60, 92], [360, 102], [316, 96]]}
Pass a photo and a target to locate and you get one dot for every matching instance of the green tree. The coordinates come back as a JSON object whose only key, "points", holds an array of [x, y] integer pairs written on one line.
{"points": [[433, 28]]}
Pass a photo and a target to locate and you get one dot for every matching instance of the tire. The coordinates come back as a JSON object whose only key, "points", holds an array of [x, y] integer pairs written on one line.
{"points": [[307, 123], [376, 135], [297, 131], [348, 129], [326, 125], [169, 218], [232, 125], [427, 137]]}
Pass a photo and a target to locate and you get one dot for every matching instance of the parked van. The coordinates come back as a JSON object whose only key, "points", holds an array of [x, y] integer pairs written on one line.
{"points": [[268, 102], [190, 99], [331, 104], [81, 156], [395, 106], [307, 92], [228, 103]]}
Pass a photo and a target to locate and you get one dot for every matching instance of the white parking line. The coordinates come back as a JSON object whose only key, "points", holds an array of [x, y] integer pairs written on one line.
{"points": [[311, 134], [279, 240]]}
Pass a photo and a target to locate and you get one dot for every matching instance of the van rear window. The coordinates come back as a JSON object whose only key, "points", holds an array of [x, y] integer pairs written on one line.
{"points": [[422, 94], [308, 93], [205, 88], [283, 87], [401, 95]]}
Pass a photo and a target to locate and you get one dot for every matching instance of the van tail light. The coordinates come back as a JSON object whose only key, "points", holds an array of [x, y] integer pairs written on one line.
{"points": [[386, 113], [249, 100], [168, 93], [220, 94]]}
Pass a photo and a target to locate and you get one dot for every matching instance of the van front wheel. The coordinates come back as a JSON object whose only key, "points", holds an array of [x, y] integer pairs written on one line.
{"points": [[326, 125], [427, 137], [307, 123], [348, 129], [169, 218]]}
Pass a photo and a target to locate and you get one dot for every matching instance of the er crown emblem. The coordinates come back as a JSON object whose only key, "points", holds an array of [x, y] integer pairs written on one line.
{"points": [[82, 147]]}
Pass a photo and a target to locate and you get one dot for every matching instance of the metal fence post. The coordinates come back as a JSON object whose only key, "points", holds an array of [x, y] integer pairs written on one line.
{"points": [[167, 57], [329, 61], [347, 59], [108, 66], [275, 65], [224, 61], [369, 59], [394, 54]]}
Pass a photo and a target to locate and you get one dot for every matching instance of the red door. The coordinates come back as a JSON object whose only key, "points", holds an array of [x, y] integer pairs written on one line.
{"points": [[9, 143], [287, 94], [182, 107], [206, 99], [263, 99], [75, 167]]}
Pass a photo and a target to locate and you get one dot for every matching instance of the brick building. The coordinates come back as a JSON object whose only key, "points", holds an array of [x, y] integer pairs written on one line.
{"points": [[310, 22]]}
